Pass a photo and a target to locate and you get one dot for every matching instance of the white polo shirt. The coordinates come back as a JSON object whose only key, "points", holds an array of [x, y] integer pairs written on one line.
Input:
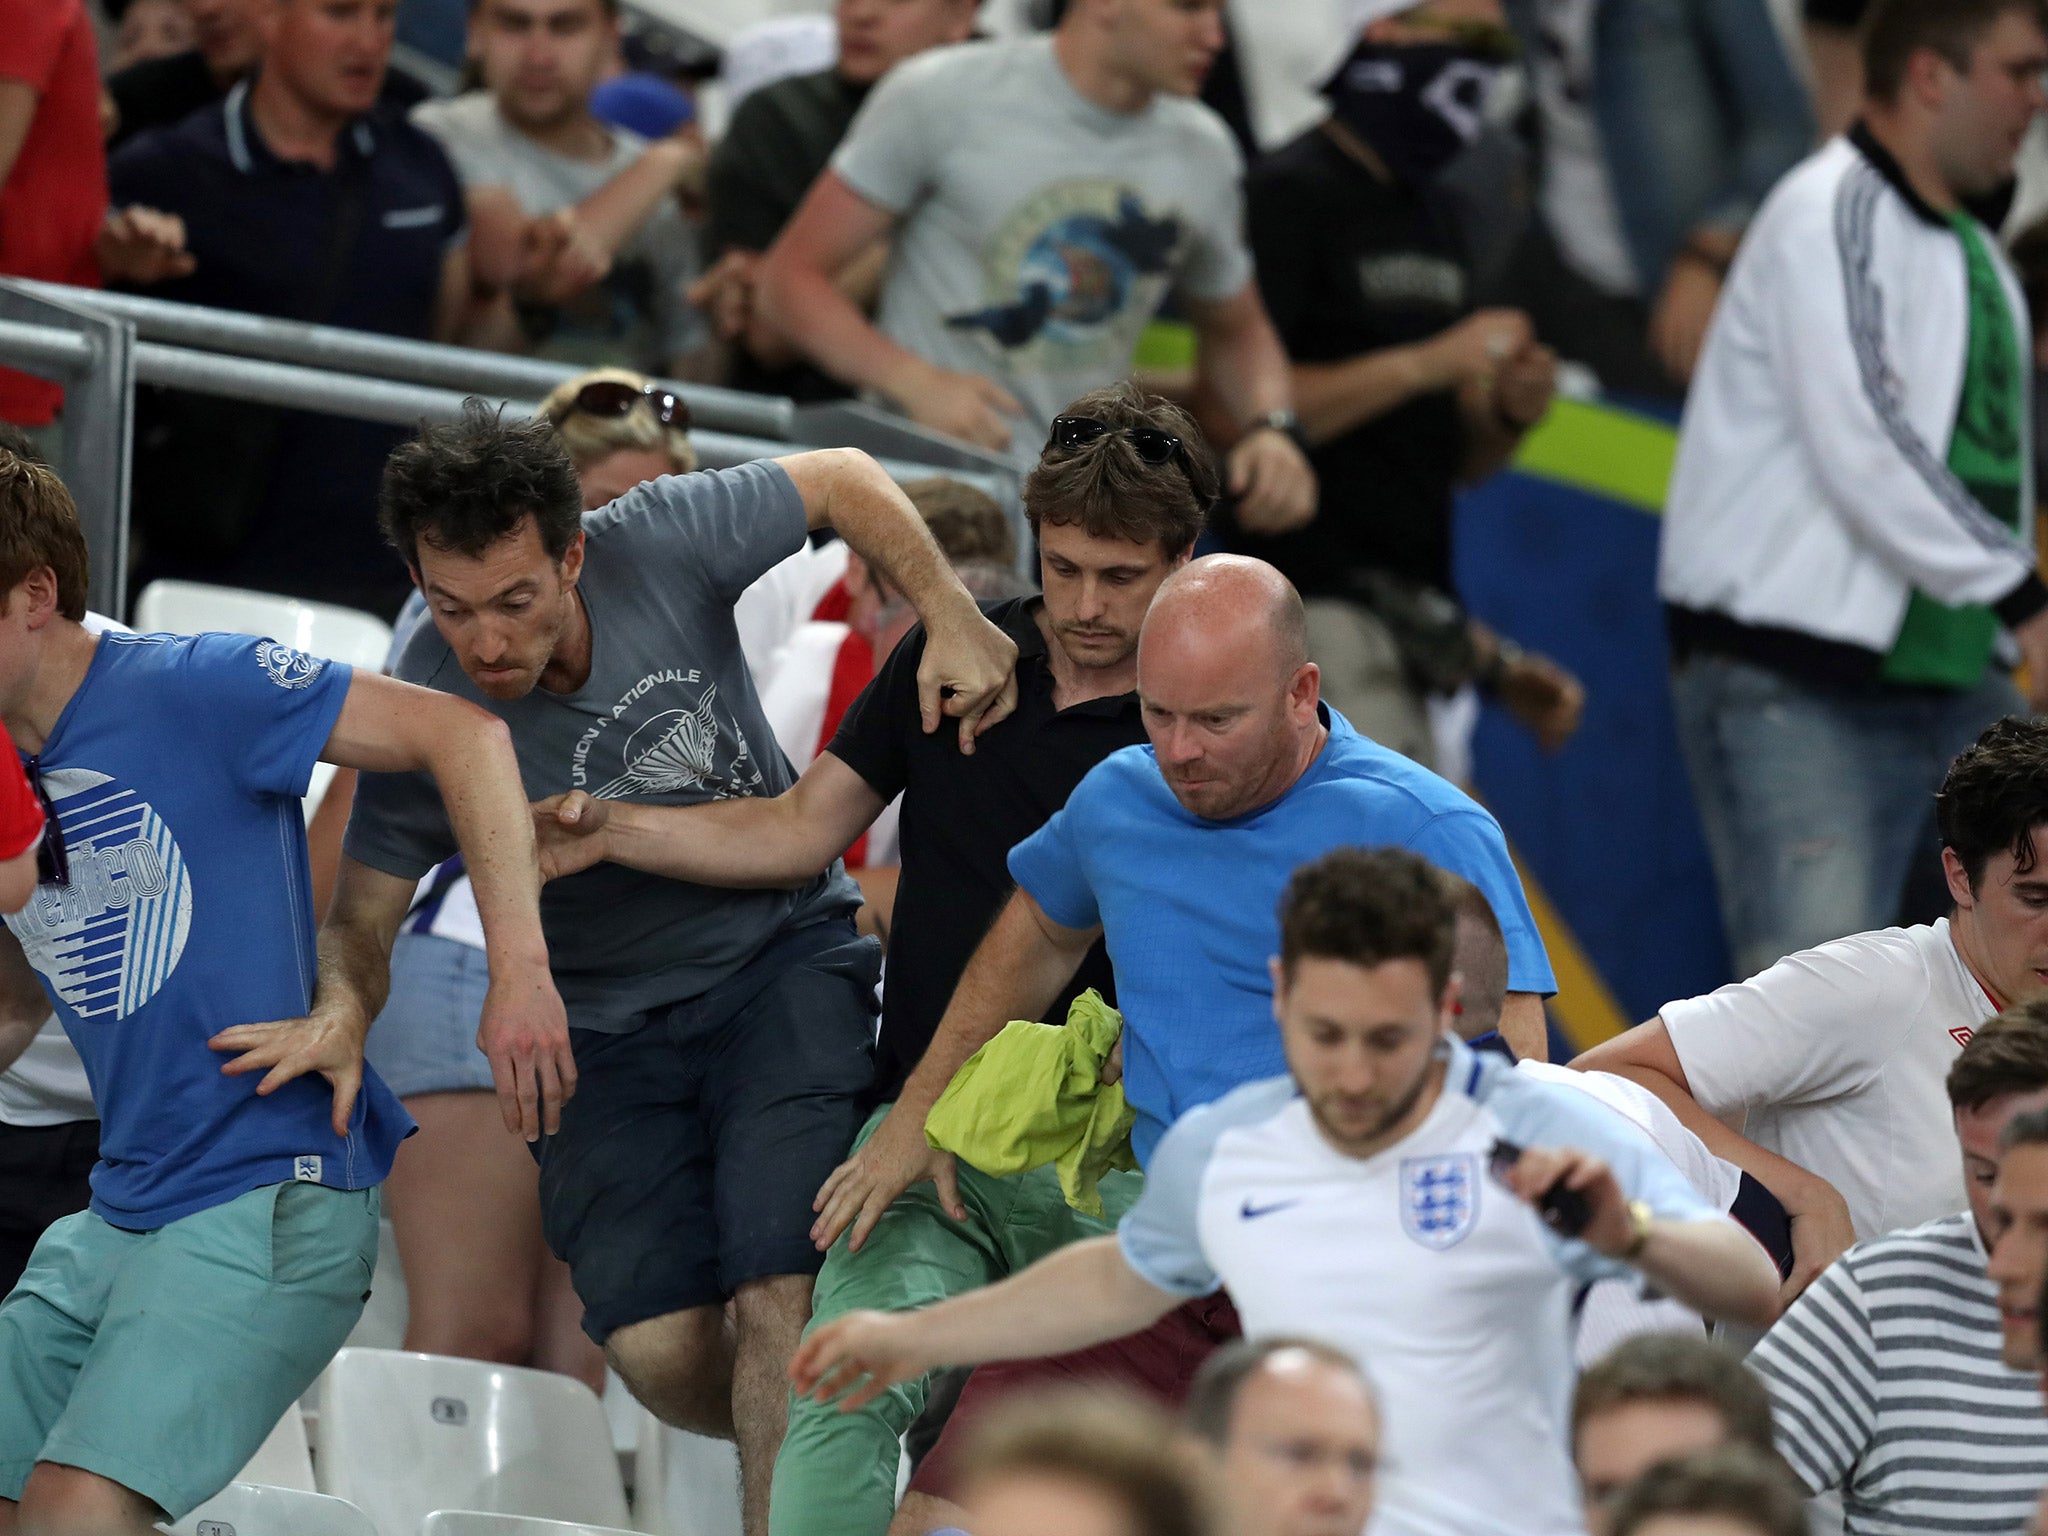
{"points": [[1836, 1058], [1449, 1292]]}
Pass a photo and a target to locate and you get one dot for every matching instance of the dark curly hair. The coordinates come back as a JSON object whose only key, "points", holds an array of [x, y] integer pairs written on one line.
{"points": [[461, 486], [1369, 906], [1110, 492], [1995, 794]]}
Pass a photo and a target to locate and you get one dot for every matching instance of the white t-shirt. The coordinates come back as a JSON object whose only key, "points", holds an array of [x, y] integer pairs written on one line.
{"points": [[1614, 1310], [1836, 1059], [1577, 196], [1449, 1292]]}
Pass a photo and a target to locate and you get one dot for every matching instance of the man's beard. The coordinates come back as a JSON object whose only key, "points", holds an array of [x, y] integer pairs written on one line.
{"points": [[1396, 1113]]}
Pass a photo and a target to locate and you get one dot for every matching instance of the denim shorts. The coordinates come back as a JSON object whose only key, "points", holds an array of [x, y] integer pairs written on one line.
{"points": [[425, 1039], [688, 1159], [161, 1360]]}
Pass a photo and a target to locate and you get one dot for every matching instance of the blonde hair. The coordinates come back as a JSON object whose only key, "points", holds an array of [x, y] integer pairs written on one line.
{"points": [[590, 438]]}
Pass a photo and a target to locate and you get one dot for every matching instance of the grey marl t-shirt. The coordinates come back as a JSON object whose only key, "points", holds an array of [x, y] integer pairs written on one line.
{"points": [[1040, 232], [636, 315], [668, 716]]}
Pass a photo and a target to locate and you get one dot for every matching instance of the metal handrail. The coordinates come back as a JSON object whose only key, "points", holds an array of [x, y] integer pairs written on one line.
{"points": [[314, 389], [343, 394], [394, 358]]}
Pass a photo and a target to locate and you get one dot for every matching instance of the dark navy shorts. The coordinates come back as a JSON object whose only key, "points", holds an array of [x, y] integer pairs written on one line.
{"points": [[688, 1159]]}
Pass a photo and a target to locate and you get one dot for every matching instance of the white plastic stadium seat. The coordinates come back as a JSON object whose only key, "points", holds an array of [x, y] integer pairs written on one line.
{"points": [[250, 1509], [285, 1459], [470, 1522], [318, 629], [405, 1434]]}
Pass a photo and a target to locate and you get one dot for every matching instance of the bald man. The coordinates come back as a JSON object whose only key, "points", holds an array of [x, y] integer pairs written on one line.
{"points": [[1176, 854], [1293, 1432]]}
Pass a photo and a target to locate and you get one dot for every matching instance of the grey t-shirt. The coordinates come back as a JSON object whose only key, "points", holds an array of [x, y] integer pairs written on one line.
{"points": [[638, 314], [1040, 232], [668, 716]]}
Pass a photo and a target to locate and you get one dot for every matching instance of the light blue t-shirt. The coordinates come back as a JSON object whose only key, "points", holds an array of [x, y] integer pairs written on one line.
{"points": [[1190, 907], [177, 771]]}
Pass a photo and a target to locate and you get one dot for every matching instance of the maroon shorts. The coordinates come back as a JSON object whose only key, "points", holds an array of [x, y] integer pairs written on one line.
{"points": [[1159, 1363]]}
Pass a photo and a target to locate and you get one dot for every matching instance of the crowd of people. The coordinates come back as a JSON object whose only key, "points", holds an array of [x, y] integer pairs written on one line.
{"points": [[1077, 1035]]}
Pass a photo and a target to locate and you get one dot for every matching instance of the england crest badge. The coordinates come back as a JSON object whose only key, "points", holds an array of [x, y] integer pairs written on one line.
{"points": [[1439, 1198]]}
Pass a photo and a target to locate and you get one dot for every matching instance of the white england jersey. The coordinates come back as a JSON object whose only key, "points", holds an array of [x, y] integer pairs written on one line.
{"points": [[1449, 1291]]}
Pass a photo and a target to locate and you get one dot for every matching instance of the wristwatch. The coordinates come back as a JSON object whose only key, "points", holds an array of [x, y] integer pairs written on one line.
{"points": [[1639, 1218], [1283, 421]]}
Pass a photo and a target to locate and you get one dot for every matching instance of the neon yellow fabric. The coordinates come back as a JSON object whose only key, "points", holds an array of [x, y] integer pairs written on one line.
{"points": [[1034, 1095]]}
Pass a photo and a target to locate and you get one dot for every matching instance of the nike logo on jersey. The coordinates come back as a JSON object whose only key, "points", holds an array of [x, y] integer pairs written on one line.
{"points": [[1252, 1212]]}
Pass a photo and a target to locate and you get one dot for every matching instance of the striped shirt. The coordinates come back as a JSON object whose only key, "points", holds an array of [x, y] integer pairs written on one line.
{"points": [[1886, 1383]]}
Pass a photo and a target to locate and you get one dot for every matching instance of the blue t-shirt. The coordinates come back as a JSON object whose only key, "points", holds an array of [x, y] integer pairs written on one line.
{"points": [[177, 771], [1190, 907]]}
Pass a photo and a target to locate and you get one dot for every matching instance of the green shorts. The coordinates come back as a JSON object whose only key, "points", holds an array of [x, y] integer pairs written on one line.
{"points": [[161, 1360]]}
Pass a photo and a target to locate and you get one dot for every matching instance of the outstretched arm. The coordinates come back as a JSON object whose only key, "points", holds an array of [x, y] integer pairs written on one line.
{"points": [[970, 667], [743, 844], [1713, 1267], [1016, 973], [800, 299], [391, 727], [1083, 1294], [1821, 1228]]}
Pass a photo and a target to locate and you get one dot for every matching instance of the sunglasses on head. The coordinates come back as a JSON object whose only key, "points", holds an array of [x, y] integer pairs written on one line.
{"points": [[1151, 444], [608, 397], [53, 864]]}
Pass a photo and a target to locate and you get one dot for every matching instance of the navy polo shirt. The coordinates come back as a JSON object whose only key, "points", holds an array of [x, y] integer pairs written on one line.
{"points": [[263, 231]]}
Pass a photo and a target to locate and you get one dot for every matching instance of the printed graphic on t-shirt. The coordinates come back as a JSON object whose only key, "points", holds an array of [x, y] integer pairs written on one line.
{"points": [[1073, 275], [1412, 279], [108, 941], [288, 668], [666, 735]]}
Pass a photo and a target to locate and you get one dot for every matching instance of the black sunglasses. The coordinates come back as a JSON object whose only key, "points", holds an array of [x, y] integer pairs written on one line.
{"points": [[608, 397], [53, 864], [1152, 445]]}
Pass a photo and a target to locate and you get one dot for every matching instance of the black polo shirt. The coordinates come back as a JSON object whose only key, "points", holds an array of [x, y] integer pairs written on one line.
{"points": [[160, 93], [1348, 263], [961, 817], [265, 233]]}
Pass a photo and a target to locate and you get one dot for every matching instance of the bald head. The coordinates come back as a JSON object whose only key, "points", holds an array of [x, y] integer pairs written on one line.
{"points": [[1230, 696], [1232, 602], [1480, 957]]}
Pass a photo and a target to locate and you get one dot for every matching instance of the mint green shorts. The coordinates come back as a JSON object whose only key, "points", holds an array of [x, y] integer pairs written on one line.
{"points": [[160, 1360]]}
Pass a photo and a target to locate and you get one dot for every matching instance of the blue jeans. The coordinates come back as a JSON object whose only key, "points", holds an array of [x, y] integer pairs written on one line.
{"points": [[1814, 799]]}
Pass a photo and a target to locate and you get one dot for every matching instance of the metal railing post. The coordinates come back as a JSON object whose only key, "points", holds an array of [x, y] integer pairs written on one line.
{"points": [[97, 429]]}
